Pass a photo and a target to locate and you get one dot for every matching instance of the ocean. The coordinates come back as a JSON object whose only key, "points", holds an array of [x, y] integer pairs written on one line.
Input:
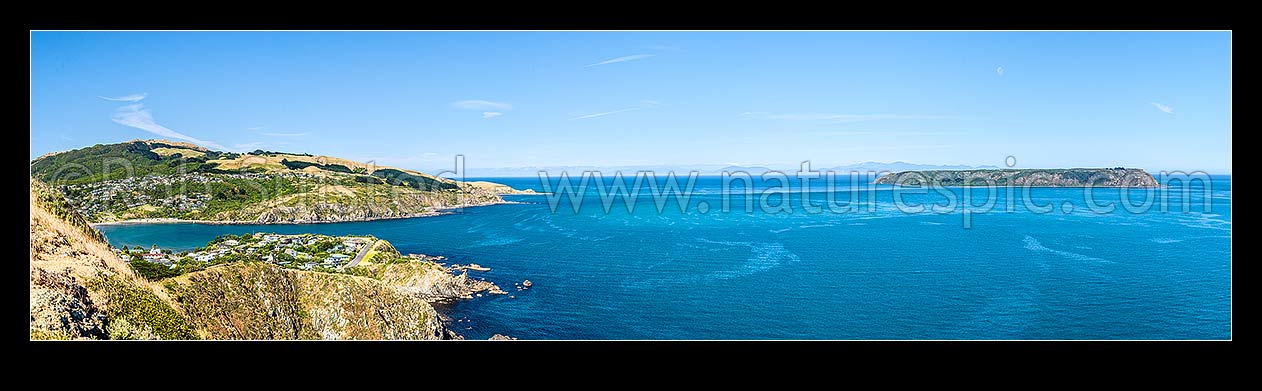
{"points": [[786, 272]]}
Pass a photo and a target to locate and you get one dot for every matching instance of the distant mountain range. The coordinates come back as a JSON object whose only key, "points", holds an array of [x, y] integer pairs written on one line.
{"points": [[903, 166], [704, 169]]}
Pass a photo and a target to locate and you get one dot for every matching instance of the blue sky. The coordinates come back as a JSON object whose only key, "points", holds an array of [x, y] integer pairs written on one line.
{"points": [[1155, 100]]}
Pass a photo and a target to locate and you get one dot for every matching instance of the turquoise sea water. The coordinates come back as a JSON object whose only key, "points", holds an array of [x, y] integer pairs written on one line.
{"points": [[882, 274]]}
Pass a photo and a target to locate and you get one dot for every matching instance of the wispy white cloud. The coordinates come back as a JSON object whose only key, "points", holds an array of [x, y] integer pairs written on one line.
{"points": [[278, 134], [896, 133], [481, 105], [419, 161], [663, 48], [833, 117], [999, 71], [632, 57], [139, 117], [896, 147], [491, 114], [125, 98], [1163, 108], [606, 113], [246, 146], [254, 128], [644, 104]]}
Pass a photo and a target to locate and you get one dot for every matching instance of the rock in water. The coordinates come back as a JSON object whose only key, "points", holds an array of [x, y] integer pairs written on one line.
{"points": [[527, 283], [501, 337]]}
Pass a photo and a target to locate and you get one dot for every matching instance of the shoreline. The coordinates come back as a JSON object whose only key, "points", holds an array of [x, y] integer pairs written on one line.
{"points": [[170, 220]]}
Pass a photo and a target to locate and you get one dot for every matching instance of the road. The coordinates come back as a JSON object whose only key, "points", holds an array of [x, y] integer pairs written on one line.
{"points": [[360, 256]]}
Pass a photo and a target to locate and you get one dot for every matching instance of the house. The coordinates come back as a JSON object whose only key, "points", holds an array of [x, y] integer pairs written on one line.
{"points": [[271, 238], [155, 255], [157, 258], [231, 242], [337, 259]]}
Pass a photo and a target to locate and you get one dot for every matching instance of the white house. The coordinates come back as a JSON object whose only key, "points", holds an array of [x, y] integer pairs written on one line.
{"points": [[337, 258]]}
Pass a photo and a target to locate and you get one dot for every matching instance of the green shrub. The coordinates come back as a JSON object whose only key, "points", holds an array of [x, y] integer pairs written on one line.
{"points": [[140, 308], [154, 271]]}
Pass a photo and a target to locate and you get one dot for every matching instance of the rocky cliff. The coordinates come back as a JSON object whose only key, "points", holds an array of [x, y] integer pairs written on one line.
{"points": [[254, 300], [399, 205], [1073, 177]]}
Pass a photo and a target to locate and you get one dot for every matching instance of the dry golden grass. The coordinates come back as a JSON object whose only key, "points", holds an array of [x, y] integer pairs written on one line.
{"points": [[164, 152], [57, 246], [273, 163], [179, 144]]}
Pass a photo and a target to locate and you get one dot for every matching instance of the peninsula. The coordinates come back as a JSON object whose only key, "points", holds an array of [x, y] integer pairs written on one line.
{"points": [[1069, 177], [159, 180]]}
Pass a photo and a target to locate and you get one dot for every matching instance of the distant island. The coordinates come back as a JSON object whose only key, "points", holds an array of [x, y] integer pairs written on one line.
{"points": [[1068, 177], [160, 180]]}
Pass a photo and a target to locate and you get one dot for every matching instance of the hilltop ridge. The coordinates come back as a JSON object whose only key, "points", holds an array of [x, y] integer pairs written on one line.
{"points": [[160, 179]]}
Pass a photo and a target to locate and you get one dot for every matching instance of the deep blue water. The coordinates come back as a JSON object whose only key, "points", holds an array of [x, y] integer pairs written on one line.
{"points": [[880, 274]]}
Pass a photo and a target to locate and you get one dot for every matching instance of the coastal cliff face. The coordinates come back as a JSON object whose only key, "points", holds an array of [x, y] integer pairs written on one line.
{"points": [[1073, 177], [400, 205], [81, 290], [262, 301]]}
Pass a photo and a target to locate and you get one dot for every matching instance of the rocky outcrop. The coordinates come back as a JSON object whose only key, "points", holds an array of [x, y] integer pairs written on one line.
{"points": [[496, 188], [502, 337], [61, 308], [1073, 177], [431, 281]]}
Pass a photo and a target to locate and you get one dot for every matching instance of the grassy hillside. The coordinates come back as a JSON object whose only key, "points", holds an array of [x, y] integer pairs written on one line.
{"points": [[163, 179], [81, 290], [117, 161]]}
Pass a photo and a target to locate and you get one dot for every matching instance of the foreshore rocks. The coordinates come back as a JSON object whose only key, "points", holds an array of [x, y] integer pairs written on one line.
{"points": [[435, 283], [471, 266], [326, 212]]}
